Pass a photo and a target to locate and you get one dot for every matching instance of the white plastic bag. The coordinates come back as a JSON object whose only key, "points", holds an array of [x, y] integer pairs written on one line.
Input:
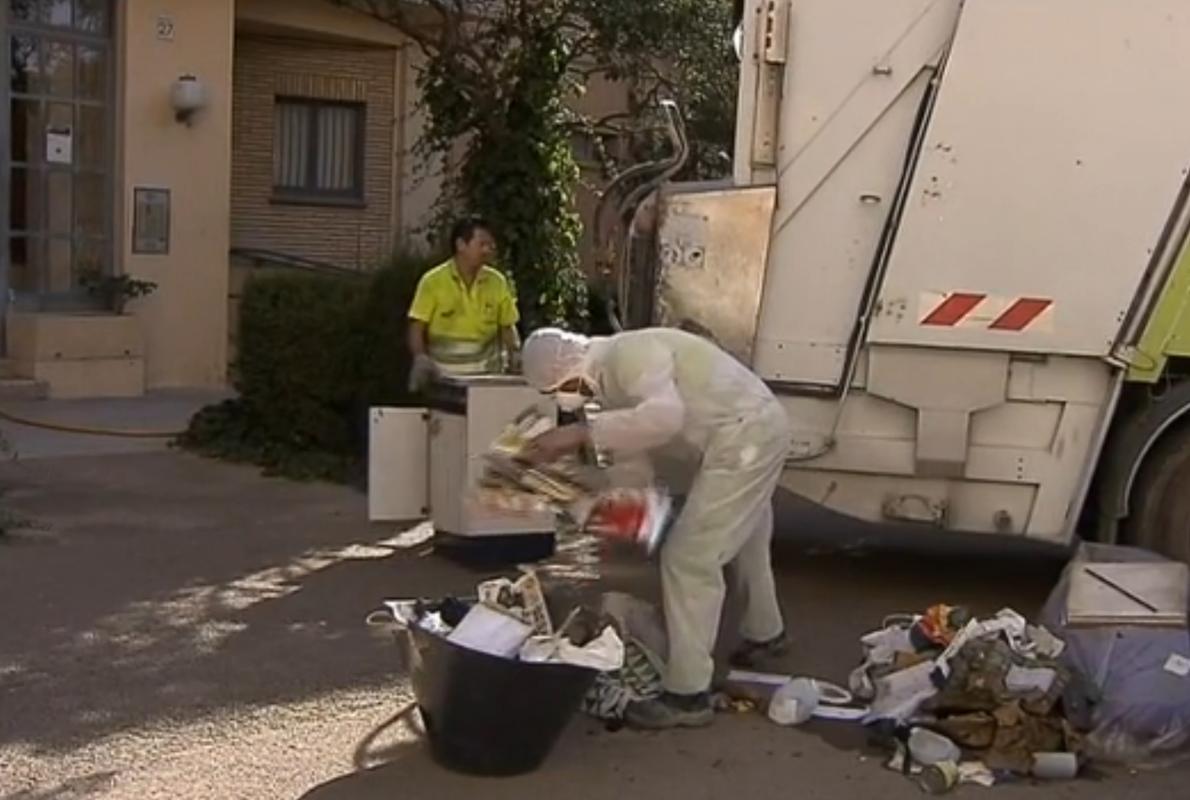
{"points": [[605, 653], [795, 702]]}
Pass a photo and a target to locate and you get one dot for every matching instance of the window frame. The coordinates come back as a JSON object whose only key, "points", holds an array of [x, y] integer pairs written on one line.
{"points": [[108, 240], [309, 194]]}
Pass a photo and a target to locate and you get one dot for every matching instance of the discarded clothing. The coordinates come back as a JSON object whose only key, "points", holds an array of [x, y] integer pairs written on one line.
{"points": [[639, 678], [640, 627]]}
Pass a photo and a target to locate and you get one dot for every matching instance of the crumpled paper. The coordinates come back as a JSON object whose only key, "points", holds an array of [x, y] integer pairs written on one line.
{"points": [[509, 484]]}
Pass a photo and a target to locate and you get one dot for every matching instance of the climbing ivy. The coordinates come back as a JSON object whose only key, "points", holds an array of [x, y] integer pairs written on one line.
{"points": [[515, 167]]}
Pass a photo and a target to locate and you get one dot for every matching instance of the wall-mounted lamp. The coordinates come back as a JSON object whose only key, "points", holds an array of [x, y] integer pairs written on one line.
{"points": [[188, 97]]}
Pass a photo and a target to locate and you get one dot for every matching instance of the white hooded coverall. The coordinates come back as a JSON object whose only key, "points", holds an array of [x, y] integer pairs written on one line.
{"points": [[663, 389]]}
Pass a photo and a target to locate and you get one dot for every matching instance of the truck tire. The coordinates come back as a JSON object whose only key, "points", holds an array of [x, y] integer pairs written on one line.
{"points": [[1160, 515]]}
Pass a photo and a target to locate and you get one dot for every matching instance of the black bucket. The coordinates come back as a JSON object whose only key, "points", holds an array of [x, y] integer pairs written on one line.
{"points": [[486, 715]]}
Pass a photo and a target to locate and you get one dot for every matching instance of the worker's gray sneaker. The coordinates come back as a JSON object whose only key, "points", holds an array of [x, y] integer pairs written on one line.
{"points": [[756, 654], [671, 711]]}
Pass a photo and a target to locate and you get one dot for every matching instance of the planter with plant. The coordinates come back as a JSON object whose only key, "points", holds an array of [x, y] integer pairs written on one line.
{"points": [[114, 291]]}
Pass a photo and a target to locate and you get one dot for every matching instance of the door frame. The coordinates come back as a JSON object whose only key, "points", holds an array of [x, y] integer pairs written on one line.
{"points": [[75, 299]]}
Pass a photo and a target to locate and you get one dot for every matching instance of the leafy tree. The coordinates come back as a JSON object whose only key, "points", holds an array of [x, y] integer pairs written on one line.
{"points": [[680, 50], [496, 83]]}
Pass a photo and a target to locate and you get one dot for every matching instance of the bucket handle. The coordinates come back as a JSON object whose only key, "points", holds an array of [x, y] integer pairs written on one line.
{"points": [[386, 619], [381, 618]]}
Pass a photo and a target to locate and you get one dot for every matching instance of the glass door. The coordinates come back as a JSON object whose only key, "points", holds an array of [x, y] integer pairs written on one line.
{"points": [[56, 150]]}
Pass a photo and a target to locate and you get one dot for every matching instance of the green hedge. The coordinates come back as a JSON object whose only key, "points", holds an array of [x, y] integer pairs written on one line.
{"points": [[315, 352]]}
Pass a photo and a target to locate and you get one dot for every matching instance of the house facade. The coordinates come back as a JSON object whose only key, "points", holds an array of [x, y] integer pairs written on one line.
{"points": [[185, 143]]}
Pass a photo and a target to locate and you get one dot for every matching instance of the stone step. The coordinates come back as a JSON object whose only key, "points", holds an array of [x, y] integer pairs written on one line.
{"points": [[22, 389]]}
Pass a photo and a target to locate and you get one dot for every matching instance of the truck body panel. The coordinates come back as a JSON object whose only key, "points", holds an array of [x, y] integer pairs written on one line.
{"points": [[978, 208], [854, 78], [1022, 455], [1048, 172]]}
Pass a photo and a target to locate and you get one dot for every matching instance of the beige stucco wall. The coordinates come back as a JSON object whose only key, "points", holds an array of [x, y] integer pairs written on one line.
{"points": [[316, 16], [420, 178], [185, 321]]}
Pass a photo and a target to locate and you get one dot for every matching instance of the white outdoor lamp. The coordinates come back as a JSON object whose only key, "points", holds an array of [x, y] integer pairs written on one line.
{"points": [[188, 96]]}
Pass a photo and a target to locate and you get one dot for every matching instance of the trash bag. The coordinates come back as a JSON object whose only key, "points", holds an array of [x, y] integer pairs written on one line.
{"points": [[1135, 695]]}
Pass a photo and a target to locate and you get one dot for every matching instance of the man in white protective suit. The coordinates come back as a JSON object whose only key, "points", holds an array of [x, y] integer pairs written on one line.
{"points": [[664, 391]]}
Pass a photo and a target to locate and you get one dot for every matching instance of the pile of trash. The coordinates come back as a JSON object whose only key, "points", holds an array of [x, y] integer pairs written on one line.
{"points": [[961, 699], [578, 491], [957, 699], [510, 619], [954, 699]]}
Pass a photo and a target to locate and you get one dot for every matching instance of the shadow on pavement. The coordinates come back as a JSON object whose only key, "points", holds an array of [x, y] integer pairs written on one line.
{"points": [[92, 785], [164, 588]]}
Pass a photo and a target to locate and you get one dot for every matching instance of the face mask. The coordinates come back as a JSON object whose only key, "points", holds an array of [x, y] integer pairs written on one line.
{"points": [[570, 402]]}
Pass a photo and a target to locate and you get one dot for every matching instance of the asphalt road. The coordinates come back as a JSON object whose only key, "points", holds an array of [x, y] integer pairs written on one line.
{"points": [[177, 628]]}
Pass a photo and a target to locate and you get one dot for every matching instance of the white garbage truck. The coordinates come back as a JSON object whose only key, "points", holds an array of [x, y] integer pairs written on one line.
{"points": [[955, 244]]}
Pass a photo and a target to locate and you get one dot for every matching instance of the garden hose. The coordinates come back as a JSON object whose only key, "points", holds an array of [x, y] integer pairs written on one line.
{"points": [[86, 430]]}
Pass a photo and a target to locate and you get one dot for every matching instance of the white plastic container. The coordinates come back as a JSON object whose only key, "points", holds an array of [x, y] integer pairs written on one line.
{"points": [[795, 702]]}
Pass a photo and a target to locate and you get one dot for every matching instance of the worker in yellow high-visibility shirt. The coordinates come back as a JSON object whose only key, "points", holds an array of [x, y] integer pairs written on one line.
{"points": [[463, 317]]}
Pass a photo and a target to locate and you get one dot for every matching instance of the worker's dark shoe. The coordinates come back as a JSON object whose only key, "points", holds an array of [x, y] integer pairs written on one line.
{"points": [[671, 711], [755, 654]]}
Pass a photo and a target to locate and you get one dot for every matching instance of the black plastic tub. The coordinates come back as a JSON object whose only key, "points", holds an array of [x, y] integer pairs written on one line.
{"points": [[486, 715]]}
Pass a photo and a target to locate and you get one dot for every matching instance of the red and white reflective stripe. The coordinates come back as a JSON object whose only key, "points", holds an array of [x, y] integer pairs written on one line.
{"points": [[988, 312], [1021, 314], [953, 309]]}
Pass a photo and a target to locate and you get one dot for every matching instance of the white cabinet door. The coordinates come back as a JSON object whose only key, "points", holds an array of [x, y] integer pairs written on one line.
{"points": [[449, 484], [398, 464]]}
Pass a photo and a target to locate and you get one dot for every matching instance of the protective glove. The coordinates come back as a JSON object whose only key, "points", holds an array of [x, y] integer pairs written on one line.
{"points": [[422, 373], [512, 362]]}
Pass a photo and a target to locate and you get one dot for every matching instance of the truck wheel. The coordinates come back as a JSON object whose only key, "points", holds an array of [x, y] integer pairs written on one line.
{"points": [[1160, 507]]}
